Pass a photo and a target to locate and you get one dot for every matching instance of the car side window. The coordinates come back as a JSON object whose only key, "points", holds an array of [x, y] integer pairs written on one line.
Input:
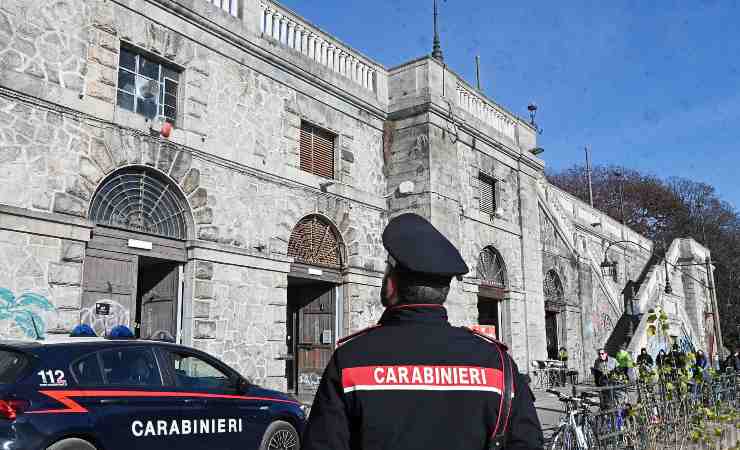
{"points": [[86, 370], [194, 373], [131, 366]]}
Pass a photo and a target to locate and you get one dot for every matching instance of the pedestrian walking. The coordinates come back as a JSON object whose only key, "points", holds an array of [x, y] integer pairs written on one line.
{"points": [[732, 362], [413, 380], [644, 360], [661, 359], [603, 366]]}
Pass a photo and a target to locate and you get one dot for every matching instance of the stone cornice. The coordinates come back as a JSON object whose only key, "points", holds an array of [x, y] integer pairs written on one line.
{"points": [[230, 35], [439, 112]]}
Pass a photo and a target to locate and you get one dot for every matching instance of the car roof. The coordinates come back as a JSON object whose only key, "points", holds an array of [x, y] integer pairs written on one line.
{"points": [[69, 340]]}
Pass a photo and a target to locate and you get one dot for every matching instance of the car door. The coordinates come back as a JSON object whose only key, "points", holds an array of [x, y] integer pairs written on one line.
{"points": [[231, 419], [133, 410]]}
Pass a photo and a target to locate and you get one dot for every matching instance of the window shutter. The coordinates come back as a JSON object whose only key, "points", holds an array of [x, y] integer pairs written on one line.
{"points": [[317, 151], [487, 187]]}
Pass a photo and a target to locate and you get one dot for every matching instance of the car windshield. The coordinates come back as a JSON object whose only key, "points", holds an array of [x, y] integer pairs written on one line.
{"points": [[12, 365]]}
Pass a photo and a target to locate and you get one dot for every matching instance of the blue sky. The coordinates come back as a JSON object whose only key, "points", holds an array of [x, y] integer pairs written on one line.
{"points": [[649, 85]]}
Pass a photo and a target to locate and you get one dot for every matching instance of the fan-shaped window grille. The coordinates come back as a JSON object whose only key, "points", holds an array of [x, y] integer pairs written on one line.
{"points": [[141, 200], [315, 241], [491, 267], [554, 294]]}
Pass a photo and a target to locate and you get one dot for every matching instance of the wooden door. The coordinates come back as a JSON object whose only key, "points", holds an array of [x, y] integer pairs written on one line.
{"points": [[551, 334], [109, 279], [315, 343], [488, 313], [157, 314]]}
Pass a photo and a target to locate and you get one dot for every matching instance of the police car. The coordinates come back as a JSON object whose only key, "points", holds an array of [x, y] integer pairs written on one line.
{"points": [[96, 393]]}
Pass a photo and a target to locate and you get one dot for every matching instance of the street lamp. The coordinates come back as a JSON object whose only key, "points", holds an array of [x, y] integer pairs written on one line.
{"points": [[609, 268]]}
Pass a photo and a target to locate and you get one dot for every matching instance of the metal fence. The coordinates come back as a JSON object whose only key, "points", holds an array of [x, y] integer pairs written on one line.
{"points": [[670, 411]]}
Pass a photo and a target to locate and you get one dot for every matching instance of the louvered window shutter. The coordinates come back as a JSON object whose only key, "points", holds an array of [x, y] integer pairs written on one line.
{"points": [[487, 186], [317, 151]]}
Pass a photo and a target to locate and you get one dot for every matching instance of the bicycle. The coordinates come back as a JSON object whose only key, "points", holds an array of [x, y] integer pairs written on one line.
{"points": [[576, 430]]}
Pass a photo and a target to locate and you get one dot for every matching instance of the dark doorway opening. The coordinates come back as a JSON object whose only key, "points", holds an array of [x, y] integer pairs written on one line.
{"points": [[488, 313], [156, 299], [310, 334], [551, 334]]}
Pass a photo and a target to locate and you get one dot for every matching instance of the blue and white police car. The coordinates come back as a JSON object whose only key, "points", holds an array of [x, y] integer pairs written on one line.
{"points": [[109, 394]]}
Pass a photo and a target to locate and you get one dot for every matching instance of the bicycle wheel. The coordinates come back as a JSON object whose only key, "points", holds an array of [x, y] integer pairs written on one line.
{"points": [[564, 439], [592, 441]]}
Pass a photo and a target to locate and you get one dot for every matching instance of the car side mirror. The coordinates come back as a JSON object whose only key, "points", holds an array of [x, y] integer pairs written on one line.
{"points": [[242, 385]]}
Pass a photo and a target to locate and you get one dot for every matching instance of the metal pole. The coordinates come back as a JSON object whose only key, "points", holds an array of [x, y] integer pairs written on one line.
{"points": [[436, 46], [630, 299], [715, 310], [477, 71], [588, 176]]}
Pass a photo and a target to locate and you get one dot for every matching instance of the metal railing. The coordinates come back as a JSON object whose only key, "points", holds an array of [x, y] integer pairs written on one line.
{"points": [[670, 411]]}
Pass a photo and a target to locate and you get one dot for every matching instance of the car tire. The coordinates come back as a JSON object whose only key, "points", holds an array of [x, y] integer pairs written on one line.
{"points": [[72, 444], [280, 435]]}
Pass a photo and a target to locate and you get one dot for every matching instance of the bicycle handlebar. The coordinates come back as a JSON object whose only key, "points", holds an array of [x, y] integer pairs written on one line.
{"points": [[582, 399]]}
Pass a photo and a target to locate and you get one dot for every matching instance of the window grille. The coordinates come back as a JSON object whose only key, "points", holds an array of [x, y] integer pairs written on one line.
{"points": [[146, 86], [553, 289], [317, 150], [139, 199], [487, 192], [314, 241], [491, 267]]}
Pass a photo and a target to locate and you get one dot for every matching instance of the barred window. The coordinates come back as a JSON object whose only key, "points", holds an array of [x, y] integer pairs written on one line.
{"points": [[487, 191], [317, 150], [230, 6], [146, 86]]}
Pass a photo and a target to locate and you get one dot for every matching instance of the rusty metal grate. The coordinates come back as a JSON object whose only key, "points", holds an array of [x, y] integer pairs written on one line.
{"points": [[315, 241], [139, 199], [491, 268]]}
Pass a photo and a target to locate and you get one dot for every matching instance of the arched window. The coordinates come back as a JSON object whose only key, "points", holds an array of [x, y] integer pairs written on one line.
{"points": [[553, 288], [315, 241], [141, 199], [491, 269]]}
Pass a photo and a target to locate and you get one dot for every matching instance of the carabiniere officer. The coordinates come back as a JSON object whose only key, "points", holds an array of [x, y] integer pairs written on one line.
{"points": [[414, 381]]}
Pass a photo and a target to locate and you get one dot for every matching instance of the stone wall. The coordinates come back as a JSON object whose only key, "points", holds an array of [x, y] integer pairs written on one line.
{"points": [[40, 273]]}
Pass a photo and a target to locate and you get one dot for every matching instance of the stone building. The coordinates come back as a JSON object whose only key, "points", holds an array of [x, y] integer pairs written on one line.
{"points": [[251, 227]]}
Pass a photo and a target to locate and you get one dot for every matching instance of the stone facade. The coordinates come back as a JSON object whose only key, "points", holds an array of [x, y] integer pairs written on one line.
{"points": [[246, 85]]}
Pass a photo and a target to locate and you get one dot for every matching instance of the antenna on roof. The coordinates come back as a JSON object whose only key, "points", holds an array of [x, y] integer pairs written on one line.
{"points": [[436, 47]]}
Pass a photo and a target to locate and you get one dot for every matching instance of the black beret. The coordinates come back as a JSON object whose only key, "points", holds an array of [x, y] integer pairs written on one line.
{"points": [[420, 248]]}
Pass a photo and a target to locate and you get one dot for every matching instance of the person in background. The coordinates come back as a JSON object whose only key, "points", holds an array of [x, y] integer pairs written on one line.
{"points": [[644, 360], [563, 358], [601, 370], [677, 358], [732, 362], [660, 360]]}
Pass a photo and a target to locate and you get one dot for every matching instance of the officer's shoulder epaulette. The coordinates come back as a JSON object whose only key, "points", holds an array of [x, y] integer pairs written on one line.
{"points": [[356, 334], [486, 337]]}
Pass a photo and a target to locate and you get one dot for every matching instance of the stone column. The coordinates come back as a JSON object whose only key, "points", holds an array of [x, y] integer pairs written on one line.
{"points": [[311, 46], [276, 26], [303, 42], [267, 21], [330, 56], [291, 34]]}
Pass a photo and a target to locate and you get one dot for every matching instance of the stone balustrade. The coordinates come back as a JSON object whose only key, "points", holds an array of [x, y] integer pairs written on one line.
{"points": [[230, 6], [298, 35], [489, 113]]}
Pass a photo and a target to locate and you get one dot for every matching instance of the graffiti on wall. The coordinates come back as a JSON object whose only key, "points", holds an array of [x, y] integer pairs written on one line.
{"points": [[25, 311], [117, 314]]}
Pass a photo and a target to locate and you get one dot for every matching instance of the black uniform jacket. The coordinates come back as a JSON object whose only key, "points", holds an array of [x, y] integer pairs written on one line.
{"points": [[416, 382]]}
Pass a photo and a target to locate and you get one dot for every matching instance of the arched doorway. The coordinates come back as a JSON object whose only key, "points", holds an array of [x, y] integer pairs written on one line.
{"points": [[492, 290], [554, 302], [133, 263], [314, 302]]}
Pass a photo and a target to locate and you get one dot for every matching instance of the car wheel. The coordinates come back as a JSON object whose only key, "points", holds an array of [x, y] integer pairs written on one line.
{"points": [[72, 444], [280, 436]]}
